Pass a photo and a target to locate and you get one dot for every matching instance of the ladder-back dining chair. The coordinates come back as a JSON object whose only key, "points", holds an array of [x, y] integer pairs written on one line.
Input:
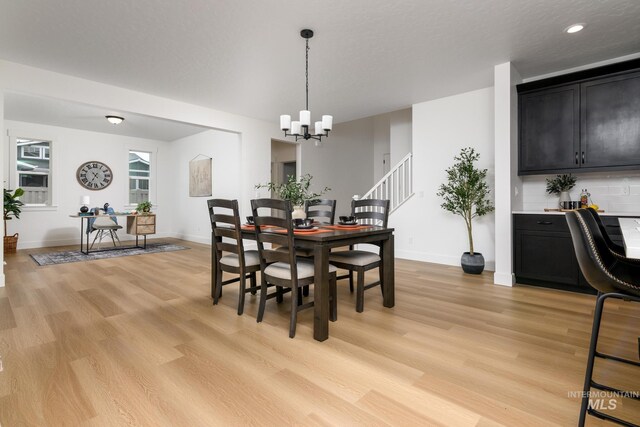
{"points": [[226, 236], [367, 211], [283, 269], [321, 210]]}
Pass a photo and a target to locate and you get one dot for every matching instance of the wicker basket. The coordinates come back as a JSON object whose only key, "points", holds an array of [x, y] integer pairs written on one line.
{"points": [[10, 244]]}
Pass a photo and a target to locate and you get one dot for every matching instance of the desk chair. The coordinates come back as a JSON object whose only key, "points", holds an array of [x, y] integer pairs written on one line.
{"points": [[103, 224], [613, 276]]}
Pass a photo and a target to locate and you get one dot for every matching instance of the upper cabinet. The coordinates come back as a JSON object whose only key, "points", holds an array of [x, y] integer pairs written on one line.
{"points": [[585, 121]]}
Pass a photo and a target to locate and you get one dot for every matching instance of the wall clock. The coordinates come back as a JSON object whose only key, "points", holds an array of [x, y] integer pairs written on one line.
{"points": [[94, 175]]}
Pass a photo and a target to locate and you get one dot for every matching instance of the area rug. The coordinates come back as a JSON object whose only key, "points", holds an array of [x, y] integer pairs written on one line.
{"points": [[64, 257]]}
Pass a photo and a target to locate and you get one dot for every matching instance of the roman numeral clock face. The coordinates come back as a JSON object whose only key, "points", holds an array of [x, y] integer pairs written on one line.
{"points": [[94, 175]]}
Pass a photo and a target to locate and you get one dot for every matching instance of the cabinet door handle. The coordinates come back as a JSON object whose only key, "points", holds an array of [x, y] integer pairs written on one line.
{"points": [[583, 158], [576, 157], [545, 222]]}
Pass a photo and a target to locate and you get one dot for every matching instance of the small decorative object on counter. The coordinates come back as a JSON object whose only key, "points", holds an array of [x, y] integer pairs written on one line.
{"points": [[584, 198], [561, 185], [144, 207]]}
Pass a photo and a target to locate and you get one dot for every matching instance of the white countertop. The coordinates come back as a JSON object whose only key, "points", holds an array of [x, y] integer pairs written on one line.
{"points": [[630, 228], [625, 214]]}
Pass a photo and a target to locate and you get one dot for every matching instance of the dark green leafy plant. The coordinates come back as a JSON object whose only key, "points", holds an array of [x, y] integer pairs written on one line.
{"points": [[12, 205], [144, 207], [466, 191], [560, 183], [295, 191]]}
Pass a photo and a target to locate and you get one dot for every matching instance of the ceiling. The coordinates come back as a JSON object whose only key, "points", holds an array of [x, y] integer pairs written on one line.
{"points": [[367, 57], [66, 114]]}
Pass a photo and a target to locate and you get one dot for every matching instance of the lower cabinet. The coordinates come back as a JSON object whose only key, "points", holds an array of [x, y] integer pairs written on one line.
{"points": [[544, 254]]}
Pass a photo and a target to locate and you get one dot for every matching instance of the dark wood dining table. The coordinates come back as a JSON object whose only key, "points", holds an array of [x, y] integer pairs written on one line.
{"points": [[321, 242]]}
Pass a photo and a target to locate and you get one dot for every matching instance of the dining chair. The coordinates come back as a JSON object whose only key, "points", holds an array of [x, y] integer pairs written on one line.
{"points": [[283, 269], [603, 230], [613, 277], [226, 236], [372, 212], [321, 210], [103, 224]]}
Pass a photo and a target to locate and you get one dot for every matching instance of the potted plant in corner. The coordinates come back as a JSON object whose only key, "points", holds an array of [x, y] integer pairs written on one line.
{"points": [[297, 191], [12, 207], [561, 185], [466, 194], [144, 207]]}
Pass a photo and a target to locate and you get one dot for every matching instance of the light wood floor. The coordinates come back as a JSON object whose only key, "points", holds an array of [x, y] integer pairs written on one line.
{"points": [[136, 341]]}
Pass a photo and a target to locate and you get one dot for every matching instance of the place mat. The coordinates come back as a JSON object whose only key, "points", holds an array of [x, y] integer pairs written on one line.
{"points": [[63, 257], [347, 227]]}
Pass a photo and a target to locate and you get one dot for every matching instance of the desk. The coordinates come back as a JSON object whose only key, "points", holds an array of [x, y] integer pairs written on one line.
{"points": [[631, 236], [321, 243], [138, 225]]}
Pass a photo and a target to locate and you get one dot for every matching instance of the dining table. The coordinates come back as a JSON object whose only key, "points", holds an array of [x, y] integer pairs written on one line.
{"points": [[630, 228], [322, 239]]}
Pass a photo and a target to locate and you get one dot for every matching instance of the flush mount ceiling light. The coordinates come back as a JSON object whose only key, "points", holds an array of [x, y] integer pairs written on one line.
{"points": [[574, 28], [115, 120], [300, 129]]}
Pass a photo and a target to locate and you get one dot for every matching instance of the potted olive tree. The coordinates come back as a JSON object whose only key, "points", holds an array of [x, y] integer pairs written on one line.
{"points": [[12, 208], [297, 191], [466, 194]]}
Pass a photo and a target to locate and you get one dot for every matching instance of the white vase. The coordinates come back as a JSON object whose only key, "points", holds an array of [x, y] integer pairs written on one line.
{"points": [[564, 197], [298, 212]]}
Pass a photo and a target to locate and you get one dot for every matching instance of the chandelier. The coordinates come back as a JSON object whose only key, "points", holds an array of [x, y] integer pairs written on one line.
{"points": [[300, 128]]}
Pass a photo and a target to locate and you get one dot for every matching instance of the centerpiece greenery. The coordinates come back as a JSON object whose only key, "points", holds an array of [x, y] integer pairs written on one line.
{"points": [[466, 193], [297, 191]]}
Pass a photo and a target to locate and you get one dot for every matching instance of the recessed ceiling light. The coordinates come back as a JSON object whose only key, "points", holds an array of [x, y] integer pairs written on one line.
{"points": [[115, 120], [574, 28]]}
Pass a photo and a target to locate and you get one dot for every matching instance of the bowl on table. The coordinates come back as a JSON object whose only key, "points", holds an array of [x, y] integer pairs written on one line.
{"points": [[302, 223], [250, 220], [347, 220]]}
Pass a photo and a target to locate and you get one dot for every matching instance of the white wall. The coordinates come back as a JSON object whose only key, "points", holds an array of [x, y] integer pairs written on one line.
{"points": [[52, 226], [191, 220], [424, 231], [400, 135], [343, 163]]}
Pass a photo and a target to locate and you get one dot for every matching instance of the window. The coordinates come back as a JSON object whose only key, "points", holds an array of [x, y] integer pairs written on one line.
{"points": [[139, 176], [33, 166]]}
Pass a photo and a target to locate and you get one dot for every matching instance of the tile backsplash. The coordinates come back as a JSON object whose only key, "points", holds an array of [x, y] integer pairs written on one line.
{"points": [[613, 192]]}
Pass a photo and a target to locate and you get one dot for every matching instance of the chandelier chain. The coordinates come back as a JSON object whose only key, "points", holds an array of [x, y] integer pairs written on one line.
{"points": [[306, 75]]}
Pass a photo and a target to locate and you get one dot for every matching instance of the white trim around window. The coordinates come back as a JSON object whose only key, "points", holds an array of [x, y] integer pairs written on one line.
{"points": [[13, 175], [153, 172]]}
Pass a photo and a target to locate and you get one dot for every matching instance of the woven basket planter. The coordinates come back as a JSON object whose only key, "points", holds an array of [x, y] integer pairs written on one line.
{"points": [[10, 244]]}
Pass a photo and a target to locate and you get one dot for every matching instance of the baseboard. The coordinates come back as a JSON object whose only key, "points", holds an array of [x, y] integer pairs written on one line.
{"points": [[438, 259], [504, 279]]}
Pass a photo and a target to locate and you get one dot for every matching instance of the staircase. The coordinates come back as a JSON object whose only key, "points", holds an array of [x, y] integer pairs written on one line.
{"points": [[397, 185]]}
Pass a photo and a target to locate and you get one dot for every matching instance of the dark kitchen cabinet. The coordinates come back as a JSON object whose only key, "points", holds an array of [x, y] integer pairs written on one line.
{"points": [[549, 129], [585, 121], [610, 134], [544, 254]]}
